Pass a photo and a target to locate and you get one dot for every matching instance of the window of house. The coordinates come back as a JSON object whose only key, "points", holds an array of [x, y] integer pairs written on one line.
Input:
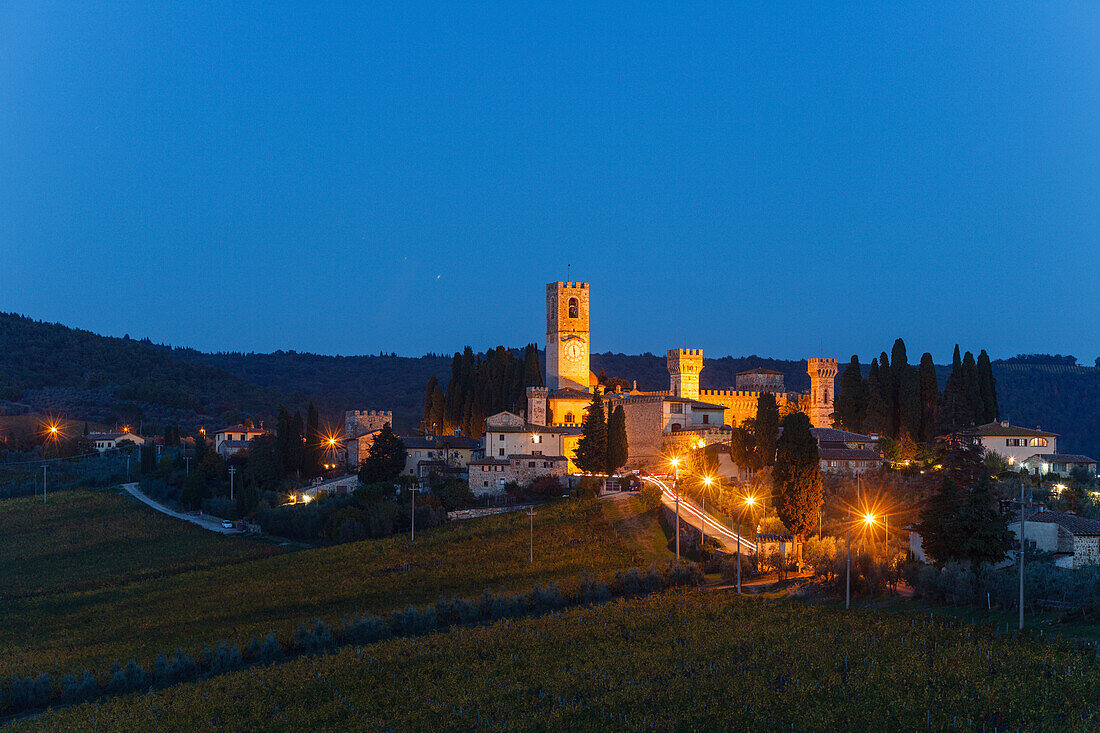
{"points": [[501, 452], [706, 419], [546, 464], [676, 407], [530, 464], [536, 453], [574, 308], [569, 417], [676, 427], [502, 437], [1039, 442], [536, 438]]}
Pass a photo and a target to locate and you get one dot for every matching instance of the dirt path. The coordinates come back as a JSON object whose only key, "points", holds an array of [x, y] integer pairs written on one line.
{"points": [[214, 524]]}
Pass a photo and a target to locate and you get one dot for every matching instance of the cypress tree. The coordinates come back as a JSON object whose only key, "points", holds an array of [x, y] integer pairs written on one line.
{"points": [[875, 417], [797, 475], [617, 449], [954, 414], [429, 392], [982, 532], [851, 398], [936, 526], [929, 397], [766, 428], [532, 372], [591, 453], [888, 394], [971, 388], [909, 403], [987, 389], [311, 458]]}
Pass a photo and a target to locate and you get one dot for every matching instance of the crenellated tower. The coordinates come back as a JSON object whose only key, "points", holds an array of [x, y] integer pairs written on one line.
{"points": [[684, 366], [567, 337], [536, 405], [822, 391]]}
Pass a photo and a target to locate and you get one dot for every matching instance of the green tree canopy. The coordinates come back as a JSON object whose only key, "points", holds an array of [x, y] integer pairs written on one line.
{"points": [[385, 459], [766, 428], [617, 449], [797, 475], [591, 453]]}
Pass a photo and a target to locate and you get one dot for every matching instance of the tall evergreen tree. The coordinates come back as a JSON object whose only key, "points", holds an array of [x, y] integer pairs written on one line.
{"points": [[766, 428], [954, 412], [937, 523], [429, 391], [312, 450], [532, 371], [385, 460], [851, 398], [797, 475], [591, 453], [876, 417], [888, 394], [909, 402], [983, 535], [973, 391], [987, 389], [929, 397], [618, 452]]}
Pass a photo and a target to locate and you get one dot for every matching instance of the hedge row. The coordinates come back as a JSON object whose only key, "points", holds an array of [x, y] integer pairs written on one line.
{"points": [[24, 694]]}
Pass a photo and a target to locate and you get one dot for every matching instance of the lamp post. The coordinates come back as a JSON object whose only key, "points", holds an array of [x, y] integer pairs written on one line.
{"points": [[531, 515], [232, 472], [412, 513], [676, 485], [848, 572], [43, 483], [1022, 525], [750, 501], [707, 481]]}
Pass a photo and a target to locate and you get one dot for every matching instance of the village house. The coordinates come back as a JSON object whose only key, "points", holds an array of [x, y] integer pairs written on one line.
{"points": [[489, 476], [1060, 464], [109, 441], [233, 439], [1013, 443], [1074, 540], [843, 452], [445, 455]]}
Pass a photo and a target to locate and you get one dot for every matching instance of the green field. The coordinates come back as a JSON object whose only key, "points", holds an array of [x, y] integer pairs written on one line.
{"points": [[81, 540], [65, 631], [691, 660]]}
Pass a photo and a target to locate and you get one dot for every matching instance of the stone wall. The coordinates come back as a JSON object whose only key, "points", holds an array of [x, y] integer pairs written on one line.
{"points": [[360, 423]]}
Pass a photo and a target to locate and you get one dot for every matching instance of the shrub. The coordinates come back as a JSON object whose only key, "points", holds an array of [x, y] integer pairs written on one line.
{"points": [[79, 689], [546, 487], [271, 651], [650, 496]]}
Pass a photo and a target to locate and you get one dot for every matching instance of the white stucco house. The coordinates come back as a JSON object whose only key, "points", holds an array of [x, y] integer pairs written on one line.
{"points": [[1015, 444]]}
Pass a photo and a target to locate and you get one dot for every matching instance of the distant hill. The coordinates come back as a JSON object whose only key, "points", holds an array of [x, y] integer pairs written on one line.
{"points": [[83, 376]]}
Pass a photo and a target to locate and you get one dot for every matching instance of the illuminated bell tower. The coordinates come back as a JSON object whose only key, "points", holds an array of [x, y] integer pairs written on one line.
{"points": [[684, 366], [822, 391], [567, 344]]}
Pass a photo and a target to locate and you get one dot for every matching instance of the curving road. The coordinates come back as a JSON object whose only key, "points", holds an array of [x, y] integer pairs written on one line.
{"points": [[214, 524]]}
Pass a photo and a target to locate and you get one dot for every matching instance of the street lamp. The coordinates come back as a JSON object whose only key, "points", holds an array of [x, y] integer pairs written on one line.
{"points": [[676, 485], [750, 502], [707, 481]]}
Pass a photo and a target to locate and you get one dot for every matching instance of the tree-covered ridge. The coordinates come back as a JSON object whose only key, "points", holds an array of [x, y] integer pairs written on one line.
{"points": [[84, 376]]}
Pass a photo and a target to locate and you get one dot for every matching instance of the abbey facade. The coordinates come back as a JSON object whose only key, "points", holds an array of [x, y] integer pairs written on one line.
{"points": [[663, 422]]}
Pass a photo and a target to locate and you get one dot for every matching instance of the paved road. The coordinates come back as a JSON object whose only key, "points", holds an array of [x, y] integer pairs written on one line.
{"points": [[214, 524]]}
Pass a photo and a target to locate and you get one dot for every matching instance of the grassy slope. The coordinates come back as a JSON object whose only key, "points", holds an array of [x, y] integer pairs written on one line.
{"points": [[82, 540], [687, 660], [65, 631]]}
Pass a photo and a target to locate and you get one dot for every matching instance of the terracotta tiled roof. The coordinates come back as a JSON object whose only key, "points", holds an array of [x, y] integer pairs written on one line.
{"points": [[1070, 522], [1059, 458], [997, 429]]}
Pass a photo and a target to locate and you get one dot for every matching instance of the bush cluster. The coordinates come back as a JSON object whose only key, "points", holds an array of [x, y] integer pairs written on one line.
{"points": [[29, 693], [981, 585]]}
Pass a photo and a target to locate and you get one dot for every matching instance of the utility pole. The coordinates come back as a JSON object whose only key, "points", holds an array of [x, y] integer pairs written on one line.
{"points": [[43, 483], [187, 461], [531, 514], [739, 552], [127, 466], [848, 573], [412, 514], [1022, 526], [232, 471], [676, 484]]}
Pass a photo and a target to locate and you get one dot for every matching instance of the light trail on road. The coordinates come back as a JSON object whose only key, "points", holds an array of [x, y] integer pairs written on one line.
{"points": [[692, 510]]}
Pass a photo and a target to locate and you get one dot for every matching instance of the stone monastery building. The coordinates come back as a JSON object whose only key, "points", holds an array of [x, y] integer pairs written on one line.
{"points": [[657, 423]]}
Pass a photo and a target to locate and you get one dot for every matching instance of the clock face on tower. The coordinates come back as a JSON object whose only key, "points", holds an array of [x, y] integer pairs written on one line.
{"points": [[573, 350]]}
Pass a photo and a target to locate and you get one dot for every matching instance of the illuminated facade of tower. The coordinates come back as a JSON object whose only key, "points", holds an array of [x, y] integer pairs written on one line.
{"points": [[822, 391], [567, 337], [684, 366]]}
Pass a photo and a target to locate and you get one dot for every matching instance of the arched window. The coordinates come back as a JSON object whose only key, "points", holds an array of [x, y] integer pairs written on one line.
{"points": [[568, 418], [1038, 442], [574, 308]]}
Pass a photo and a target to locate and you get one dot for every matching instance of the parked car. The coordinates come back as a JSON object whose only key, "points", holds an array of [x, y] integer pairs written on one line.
{"points": [[227, 524]]}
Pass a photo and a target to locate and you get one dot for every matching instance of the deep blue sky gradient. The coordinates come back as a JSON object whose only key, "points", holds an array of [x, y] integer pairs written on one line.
{"points": [[775, 178]]}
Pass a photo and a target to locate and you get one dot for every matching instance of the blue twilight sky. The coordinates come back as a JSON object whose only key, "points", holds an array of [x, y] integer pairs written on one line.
{"points": [[775, 178]]}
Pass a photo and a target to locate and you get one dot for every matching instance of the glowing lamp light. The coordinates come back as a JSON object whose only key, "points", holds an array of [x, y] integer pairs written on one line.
{"points": [[675, 462], [707, 480], [869, 518], [750, 500]]}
